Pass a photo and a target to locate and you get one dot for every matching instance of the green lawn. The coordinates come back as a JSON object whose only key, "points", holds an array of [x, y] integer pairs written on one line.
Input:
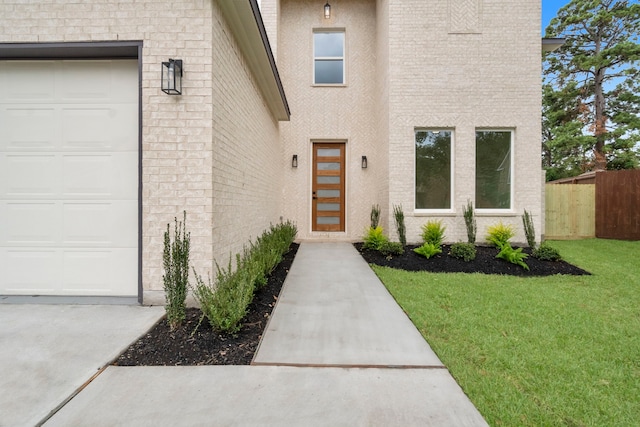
{"points": [[551, 351]]}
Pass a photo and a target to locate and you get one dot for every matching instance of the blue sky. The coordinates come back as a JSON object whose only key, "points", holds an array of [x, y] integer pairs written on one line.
{"points": [[549, 10]]}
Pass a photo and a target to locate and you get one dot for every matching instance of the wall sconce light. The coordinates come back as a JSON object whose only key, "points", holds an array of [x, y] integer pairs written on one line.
{"points": [[294, 161], [364, 162], [327, 11], [172, 77]]}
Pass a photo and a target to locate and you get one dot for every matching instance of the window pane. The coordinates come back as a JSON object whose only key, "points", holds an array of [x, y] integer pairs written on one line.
{"points": [[328, 220], [433, 170], [328, 180], [328, 152], [328, 71], [328, 193], [493, 169], [328, 44], [328, 166], [328, 206]]}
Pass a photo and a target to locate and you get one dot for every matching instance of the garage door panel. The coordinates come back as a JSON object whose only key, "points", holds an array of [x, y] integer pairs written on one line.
{"points": [[29, 175], [112, 176], [99, 224], [33, 128], [30, 223], [24, 82], [93, 272], [31, 271], [99, 128]]}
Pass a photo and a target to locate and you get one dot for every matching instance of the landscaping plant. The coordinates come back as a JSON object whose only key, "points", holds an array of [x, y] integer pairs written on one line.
{"points": [[500, 234], [428, 250], [375, 216], [529, 230], [398, 214], [374, 238], [470, 222], [545, 252], [433, 232], [464, 251], [514, 256], [225, 302], [175, 259], [391, 248]]}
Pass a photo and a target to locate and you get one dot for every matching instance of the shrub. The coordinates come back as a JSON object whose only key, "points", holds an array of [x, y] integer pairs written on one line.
{"points": [[529, 230], [470, 222], [375, 216], [514, 256], [391, 248], [398, 214], [500, 234], [226, 303], [374, 238], [544, 252], [175, 259], [464, 251], [433, 232], [428, 250]]}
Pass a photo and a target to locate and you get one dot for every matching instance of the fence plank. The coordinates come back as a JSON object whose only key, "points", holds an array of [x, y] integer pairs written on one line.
{"points": [[570, 211], [618, 205]]}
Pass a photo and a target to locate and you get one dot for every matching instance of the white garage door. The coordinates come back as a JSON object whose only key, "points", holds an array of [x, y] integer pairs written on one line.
{"points": [[69, 177]]}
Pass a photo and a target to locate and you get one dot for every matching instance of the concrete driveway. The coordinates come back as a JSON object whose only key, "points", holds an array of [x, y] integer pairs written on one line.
{"points": [[48, 352]]}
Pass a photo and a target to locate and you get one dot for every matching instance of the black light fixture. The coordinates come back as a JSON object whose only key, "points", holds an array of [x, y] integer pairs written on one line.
{"points": [[294, 161], [364, 162], [327, 11], [172, 77]]}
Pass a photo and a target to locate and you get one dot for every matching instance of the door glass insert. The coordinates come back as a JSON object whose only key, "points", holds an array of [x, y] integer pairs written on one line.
{"points": [[328, 220], [328, 152], [328, 180], [328, 193], [332, 166]]}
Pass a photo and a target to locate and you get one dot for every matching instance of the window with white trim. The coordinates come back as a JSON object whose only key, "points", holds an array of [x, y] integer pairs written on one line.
{"points": [[434, 179], [493, 169], [328, 57]]}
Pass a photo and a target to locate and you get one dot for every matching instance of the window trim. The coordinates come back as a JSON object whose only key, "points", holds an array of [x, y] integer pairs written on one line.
{"points": [[343, 58], [452, 177], [510, 209]]}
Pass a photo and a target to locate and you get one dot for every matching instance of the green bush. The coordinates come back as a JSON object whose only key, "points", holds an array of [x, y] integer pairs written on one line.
{"points": [[391, 248], [529, 229], [374, 238], [544, 252], [500, 234], [433, 232], [175, 259], [225, 303], [464, 251], [428, 250], [514, 256], [470, 222], [398, 215], [375, 216]]}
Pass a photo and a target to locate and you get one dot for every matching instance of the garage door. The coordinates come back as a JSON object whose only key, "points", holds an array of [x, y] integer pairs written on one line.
{"points": [[69, 177]]}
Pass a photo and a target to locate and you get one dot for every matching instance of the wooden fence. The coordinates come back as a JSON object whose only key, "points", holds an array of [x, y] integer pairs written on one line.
{"points": [[618, 205], [570, 211]]}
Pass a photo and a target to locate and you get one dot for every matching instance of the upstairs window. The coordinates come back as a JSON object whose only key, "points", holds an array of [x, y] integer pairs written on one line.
{"points": [[328, 57], [493, 169]]}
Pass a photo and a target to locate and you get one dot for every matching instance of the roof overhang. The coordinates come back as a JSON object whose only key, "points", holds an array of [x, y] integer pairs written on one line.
{"points": [[245, 21], [549, 44]]}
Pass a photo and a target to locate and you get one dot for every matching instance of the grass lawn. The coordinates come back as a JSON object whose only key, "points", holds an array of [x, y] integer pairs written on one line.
{"points": [[548, 351]]}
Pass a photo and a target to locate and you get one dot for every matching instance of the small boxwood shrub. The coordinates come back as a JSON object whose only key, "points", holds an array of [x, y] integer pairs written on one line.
{"points": [[544, 252], [391, 248], [464, 251]]}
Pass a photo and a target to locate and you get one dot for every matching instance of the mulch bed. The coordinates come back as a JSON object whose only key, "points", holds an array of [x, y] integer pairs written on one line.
{"points": [[485, 262], [196, 343]]}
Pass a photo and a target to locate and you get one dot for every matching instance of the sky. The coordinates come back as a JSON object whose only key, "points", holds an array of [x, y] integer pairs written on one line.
{"points": [[549, 10]]}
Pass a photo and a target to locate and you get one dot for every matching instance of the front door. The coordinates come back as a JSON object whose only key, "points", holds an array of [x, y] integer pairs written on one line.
{"points": [[328, 187]]}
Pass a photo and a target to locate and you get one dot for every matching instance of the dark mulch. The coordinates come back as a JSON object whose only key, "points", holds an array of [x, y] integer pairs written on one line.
{"points": [[485, 262], [163, 347]]}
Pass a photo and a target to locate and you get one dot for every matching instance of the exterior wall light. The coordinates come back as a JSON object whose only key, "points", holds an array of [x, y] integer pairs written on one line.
{"points": [[327, 11], [364, 162], [172, 77], [294, 161]]}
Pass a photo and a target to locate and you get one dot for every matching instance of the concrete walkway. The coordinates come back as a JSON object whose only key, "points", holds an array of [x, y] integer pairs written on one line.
{"points": [[338, 352]]}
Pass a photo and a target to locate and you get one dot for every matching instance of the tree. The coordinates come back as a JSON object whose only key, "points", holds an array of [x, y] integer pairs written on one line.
{"points": [[591, 90]]}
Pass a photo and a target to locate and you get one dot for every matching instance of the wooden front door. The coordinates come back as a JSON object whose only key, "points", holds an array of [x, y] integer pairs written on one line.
{"points": [[328, 187]]}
